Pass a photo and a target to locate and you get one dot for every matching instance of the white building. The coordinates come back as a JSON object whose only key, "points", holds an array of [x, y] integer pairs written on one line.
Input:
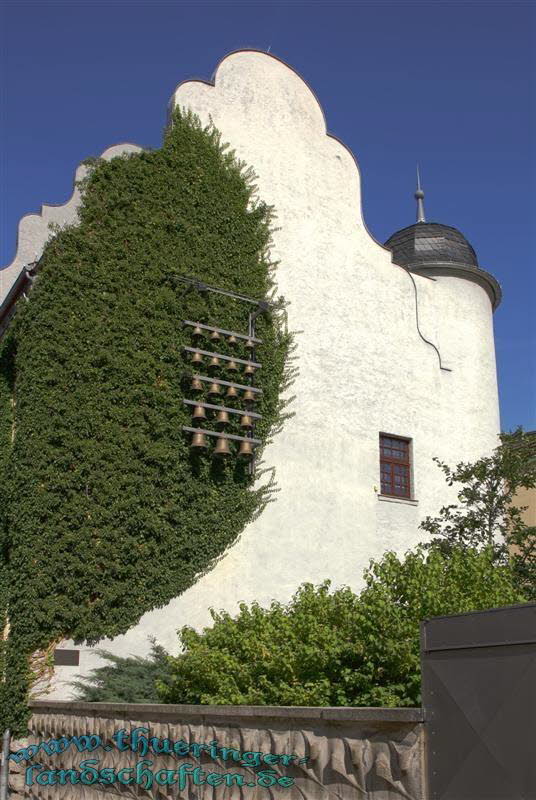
{"points": [[393, 339]]}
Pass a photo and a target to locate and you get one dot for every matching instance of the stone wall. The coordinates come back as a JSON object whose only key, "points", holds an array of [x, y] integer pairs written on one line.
{"points": [[351, 753]]}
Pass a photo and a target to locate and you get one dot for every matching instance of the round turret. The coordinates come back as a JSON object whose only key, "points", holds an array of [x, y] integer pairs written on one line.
{"points": [[431, 248]]}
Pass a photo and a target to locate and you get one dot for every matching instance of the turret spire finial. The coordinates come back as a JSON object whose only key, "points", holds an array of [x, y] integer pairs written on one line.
{"points": [[419, 197]]}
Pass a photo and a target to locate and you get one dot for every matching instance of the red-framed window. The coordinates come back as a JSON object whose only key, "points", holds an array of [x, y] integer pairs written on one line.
{"points": [[395, 465]]}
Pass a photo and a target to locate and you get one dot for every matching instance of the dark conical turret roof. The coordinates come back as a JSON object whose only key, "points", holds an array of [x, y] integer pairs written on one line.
{"points": [[433, 249], [429, 243]]}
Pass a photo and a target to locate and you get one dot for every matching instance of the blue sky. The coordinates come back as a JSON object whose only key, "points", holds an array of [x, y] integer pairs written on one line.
{"points": [[448, 84]]}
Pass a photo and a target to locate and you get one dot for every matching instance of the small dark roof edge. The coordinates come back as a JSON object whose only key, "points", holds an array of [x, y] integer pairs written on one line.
{"points": [[22, 282]]}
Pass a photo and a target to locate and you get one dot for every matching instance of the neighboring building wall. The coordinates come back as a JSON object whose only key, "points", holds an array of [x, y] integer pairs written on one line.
{"points": [[372, 752], [526, 498], [366, 365]]}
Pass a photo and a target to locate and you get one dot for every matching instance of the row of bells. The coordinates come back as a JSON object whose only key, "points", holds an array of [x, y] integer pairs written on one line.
{"points": [[217, 337], [199, 443], [215, 362], [222, 418], [215, 390]]}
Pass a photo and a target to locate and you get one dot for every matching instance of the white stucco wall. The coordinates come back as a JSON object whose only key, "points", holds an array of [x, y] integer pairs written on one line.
{"points": [[364, 366]]}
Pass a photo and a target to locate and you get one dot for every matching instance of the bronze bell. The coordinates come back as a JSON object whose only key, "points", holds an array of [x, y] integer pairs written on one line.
{"points": [[214, 362], [197, 331], [249, 370], [246, 422], [199, 441], [222, 418], [215, 336], [197, 358], [222, 447], [249, 395], [232, 392], [214, 389], [250, 344], [246, 450], [232, 366], [199, 413], [197, 385], [232, 339]]}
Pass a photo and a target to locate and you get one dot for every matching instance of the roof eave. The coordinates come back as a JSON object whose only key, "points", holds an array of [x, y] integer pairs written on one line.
{"points": [[475, 274]]}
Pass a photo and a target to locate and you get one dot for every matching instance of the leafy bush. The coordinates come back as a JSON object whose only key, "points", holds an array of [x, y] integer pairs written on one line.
{"points": [[336, 648]]}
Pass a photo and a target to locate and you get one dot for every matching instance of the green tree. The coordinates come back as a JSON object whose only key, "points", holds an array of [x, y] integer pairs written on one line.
{"points": [[486, 515], [336, 648], [125, 680]]}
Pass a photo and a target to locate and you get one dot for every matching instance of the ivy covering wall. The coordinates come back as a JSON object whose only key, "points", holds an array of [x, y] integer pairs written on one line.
{"points": [[6, 430], [106, 513]]}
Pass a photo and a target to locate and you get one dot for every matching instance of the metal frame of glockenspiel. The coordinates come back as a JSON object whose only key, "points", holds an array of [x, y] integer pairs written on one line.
{"points": [[233, 436], [222, 434], [212, 354], [221, 382], [214, 407], [262, 306], [222, 331]]}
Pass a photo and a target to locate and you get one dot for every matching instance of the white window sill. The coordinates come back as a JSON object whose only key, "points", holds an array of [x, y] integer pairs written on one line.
{"points": [[404, 500]]}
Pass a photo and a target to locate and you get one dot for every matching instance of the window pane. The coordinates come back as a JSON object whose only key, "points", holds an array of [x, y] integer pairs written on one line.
{"points": [[394, 466]]}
